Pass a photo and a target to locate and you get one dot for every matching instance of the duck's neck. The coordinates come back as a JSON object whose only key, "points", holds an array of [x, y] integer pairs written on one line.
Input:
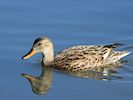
{"points": [[48, 56]]}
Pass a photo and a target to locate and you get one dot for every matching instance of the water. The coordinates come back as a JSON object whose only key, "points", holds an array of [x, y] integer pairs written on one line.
{"points": [[67, 23]]}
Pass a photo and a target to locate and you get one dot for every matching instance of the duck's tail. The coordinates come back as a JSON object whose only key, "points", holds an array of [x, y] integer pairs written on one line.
{"points": [[117, 55], [123, 54], [113, 45]]}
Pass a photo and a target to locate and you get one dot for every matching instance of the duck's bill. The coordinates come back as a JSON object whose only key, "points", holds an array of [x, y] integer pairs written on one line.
{"points": [[29, 54]]}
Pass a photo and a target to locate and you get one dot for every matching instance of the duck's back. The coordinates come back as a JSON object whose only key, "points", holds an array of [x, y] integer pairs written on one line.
{"points": [[83, 57]]}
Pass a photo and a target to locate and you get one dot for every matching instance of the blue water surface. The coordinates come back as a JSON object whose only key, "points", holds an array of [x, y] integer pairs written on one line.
{"points": [[66, 23]]}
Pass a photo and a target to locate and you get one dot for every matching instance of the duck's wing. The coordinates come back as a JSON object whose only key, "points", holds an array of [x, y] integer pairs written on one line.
{"points": [[81, 57]]}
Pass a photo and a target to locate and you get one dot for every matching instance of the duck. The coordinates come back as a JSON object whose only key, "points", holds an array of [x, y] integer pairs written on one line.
{"points": [[40, 85], [76, 58]]}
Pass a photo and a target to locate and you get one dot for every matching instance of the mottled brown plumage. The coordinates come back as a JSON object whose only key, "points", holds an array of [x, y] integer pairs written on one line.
{"points": [[86, 57]]}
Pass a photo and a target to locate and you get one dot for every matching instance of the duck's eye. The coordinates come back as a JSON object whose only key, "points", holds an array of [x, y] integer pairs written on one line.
{"points": [[39, 44]]}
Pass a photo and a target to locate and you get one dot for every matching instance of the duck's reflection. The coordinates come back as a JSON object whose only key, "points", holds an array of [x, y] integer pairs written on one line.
{"points": [[41, 84]]}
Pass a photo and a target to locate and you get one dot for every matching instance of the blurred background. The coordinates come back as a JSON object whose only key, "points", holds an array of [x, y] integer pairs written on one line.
{"points": [[66, 23]]}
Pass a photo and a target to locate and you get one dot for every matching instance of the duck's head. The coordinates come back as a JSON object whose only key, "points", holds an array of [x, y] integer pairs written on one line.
{"points": [[38, 85], [41, 44]]}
